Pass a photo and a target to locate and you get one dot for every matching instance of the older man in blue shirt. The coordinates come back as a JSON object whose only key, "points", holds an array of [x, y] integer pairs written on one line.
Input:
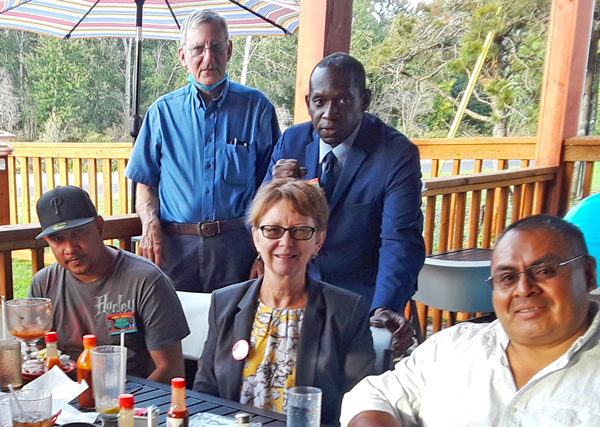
{"points": [[201, 154]]}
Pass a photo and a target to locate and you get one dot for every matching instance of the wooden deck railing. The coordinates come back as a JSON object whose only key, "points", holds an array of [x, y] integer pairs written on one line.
{"points": [[85, 164], [81, 164], [471, 211], [585, 151]]}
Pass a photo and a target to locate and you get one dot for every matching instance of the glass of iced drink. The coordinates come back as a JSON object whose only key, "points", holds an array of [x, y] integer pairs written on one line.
{"points": [[29, 319], [31, 408], [109, 364], [10, 364], [303, 406]]}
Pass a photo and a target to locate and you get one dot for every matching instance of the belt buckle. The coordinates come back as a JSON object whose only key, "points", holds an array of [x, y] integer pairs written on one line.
{"points": [[208, 229]]}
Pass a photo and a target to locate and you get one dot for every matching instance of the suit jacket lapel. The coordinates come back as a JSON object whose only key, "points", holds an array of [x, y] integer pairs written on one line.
{"points": [[309, 341], [242, 328], [312, 156], [357, 155]]}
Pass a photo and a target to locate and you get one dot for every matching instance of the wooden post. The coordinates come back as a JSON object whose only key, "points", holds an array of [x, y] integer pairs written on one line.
{"points": [[5, 151], [564, 75], [325, 27]]}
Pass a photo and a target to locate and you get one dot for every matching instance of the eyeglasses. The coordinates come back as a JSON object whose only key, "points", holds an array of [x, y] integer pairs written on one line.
{"points": [[199, 51], [538, 273], [296, 233]]}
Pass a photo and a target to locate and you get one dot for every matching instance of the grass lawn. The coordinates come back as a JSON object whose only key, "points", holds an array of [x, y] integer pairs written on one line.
{"points": [[21, 277]]}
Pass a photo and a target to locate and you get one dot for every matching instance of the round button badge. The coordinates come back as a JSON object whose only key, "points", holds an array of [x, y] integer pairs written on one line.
{"points": [[240, 350]]}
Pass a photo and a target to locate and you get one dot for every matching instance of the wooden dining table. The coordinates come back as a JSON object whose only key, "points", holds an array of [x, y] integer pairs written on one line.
{"points": [[152, 393]]}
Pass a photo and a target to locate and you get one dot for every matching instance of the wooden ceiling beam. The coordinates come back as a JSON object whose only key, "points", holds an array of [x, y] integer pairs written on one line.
{"points": [[562, 90], [325, 27]]}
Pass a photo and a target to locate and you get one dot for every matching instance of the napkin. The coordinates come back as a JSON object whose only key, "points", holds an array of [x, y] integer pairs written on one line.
{"points": [[205, 419], [63, 390]]}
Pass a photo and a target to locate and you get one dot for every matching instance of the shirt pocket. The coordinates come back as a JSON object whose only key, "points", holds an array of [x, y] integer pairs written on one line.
{"points": [[238, 168], [556, 416]]}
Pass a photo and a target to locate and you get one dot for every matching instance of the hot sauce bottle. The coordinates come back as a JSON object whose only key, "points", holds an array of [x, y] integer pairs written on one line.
{"points": [[84, 371], [178, 415], [126, 410], [52, 359]]}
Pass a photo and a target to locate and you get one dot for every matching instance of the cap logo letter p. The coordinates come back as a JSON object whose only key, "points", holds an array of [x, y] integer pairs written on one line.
{"points": [[55, 203]]}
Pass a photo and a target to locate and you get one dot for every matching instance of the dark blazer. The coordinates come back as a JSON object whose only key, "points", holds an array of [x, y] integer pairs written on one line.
{"points": [[335, 348], [374, 245]]}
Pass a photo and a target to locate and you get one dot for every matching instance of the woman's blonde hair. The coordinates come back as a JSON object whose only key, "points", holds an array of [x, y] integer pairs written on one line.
{"points": [[306, 198]]}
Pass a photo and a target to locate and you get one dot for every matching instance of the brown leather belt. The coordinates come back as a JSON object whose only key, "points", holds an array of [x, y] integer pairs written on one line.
{"points": [[204, 229]]}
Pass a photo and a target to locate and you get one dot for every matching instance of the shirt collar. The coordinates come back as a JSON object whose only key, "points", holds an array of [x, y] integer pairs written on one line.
{"points": [[218, 100], [341, 151]]}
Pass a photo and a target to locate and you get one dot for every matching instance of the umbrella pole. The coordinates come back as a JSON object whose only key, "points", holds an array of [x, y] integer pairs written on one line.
{"points": [[135, 121]]}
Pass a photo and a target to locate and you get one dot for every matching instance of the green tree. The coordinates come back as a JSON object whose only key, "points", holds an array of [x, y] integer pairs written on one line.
{"points": [[57, 81], [432, 51]]}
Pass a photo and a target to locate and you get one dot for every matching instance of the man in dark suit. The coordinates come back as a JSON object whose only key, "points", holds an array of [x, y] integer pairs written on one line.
{"points": [[374, 245]]}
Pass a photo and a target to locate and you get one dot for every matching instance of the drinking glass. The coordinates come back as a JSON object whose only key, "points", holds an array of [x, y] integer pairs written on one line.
{"points": [[109, 363], [32, 408], [10, 364], [28, 319], [303, 407]]}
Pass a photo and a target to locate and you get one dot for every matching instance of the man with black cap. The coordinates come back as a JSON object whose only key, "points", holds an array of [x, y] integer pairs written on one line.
{"points": [[92, 283]]}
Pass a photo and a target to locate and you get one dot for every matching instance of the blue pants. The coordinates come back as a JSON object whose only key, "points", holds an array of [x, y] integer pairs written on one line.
{"points": [[204, 264]]}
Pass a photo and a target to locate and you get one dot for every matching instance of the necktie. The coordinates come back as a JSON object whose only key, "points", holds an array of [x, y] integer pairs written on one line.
{"points": [[328, 174]]}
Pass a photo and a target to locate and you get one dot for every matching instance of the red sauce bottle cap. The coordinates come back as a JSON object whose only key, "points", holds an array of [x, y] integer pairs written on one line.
{"points": [[89, 340], [51, 337], [178, 382], [126, 401]]}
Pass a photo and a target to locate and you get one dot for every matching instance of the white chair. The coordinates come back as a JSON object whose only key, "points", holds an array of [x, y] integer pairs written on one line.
{"points": [[195, 307], [456, 285], [382, 343]]}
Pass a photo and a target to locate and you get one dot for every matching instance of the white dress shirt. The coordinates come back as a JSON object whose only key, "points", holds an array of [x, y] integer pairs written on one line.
{"points": [[461, 377], [341, 150]]}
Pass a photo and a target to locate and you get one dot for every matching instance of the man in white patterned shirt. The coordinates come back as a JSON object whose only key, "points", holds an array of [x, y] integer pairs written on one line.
{"points": [[536, 365]]}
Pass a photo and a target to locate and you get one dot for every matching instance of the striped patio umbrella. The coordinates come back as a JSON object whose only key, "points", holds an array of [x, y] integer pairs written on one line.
{"points": [[161, 18]]}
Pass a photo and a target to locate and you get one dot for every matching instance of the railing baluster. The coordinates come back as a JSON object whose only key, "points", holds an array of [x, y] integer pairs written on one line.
{"points": [[93, 181], [587, 179], [107, 186], [488, 217], [25, 198], [123, 188], [429, 223], [459, 223], [538, 197], [502, 210], [37, 179], [63, 170], [77, 173], [6, 275], [12, 190], [516, 204], [444, 223], [50, 184], [37, 260]]}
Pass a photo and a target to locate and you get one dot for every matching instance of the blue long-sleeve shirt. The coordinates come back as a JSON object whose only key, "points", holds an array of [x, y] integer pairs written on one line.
{"points": [[207, 161]]}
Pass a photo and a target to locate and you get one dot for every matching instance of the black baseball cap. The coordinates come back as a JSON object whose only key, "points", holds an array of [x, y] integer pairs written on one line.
{"points": [[63, 208]]}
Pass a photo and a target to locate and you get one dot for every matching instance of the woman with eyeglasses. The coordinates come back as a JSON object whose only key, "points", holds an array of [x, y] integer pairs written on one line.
{"points": [[285, 329]]}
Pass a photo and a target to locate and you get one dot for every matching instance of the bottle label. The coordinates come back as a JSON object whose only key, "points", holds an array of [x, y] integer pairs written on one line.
{"points": [[175, 422]]}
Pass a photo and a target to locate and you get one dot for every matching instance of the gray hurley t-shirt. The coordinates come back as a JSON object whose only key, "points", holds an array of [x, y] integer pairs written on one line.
{"points": [[133, 284]]}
